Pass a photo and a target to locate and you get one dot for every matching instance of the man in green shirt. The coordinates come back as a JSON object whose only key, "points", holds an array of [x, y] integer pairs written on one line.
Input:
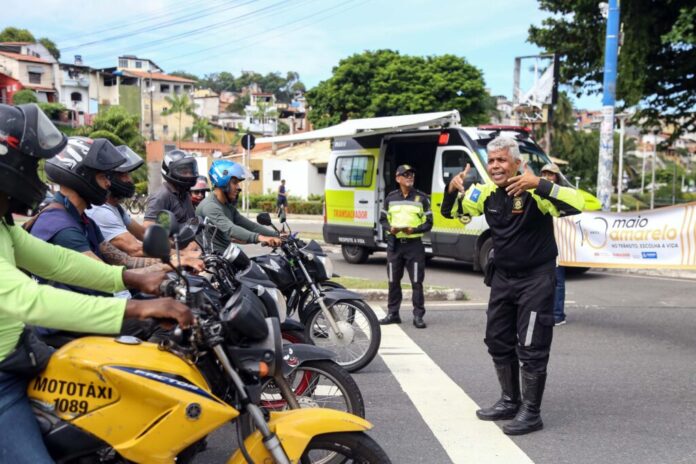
{"points": [[219, 208], [26, 135]]}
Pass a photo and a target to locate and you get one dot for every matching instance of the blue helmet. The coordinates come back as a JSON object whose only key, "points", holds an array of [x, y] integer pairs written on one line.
{"points": [[222, 171]]}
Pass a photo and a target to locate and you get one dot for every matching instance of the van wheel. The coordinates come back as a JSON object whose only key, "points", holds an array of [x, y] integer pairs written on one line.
{"points": [[484, 253], [355, 254]]}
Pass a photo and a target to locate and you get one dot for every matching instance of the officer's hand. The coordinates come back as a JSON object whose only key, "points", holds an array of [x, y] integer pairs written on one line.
{"points": [[395, 230], [147, 283], [408, 230], [167, 310], [457, 182], [526, 181]]}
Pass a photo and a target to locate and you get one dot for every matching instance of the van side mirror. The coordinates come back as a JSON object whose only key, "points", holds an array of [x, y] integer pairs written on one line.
{"points": [[156, 242], [264, 219]]}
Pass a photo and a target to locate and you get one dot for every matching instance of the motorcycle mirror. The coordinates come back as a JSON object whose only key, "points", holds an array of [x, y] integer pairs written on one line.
{"points": [[156, 242], [167, 221], [264, 219]]}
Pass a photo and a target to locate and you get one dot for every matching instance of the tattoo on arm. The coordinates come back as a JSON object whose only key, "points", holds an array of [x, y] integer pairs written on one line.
{"points": [[113, 255]]}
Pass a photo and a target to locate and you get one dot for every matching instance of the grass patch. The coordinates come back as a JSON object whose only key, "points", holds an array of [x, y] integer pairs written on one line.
{"points": [[366, 284]]}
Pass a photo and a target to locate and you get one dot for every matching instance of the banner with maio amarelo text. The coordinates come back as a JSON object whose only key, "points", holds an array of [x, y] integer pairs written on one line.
{"points": [[659, 238]]}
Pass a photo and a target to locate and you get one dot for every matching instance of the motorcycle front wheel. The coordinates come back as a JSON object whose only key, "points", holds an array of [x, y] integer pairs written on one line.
{"points": [[345, 447], [360, 328], [316, 384]]}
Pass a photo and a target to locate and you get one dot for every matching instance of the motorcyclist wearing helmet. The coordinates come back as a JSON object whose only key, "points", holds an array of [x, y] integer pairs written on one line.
{"points": [[180, 172], [199, 190], [83, 171], [225, 177], [116, 224], [26, 136]]}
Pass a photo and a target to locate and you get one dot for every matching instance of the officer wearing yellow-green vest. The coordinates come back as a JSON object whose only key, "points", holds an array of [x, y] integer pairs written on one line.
{"points": [[406, 216]]}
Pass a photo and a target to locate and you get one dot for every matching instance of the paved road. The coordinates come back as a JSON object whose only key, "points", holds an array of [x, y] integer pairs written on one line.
{"points": [[620, 389]]}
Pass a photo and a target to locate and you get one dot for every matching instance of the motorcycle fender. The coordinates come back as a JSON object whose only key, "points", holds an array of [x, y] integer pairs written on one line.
{"points": [[296, 428], [334, 295], [296, 354], [292, 324]]}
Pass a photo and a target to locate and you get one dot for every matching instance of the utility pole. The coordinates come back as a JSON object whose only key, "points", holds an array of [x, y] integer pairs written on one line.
{"points": [[622, 123], [152, 109], [606, 138]]}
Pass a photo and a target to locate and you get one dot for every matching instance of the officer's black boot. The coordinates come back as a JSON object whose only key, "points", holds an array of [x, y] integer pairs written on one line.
{"points": [[528, 418], [508, 404]]}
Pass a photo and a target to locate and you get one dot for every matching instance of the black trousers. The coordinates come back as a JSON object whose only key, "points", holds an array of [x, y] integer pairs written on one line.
{"points": [[409, 254], [520, 317]]}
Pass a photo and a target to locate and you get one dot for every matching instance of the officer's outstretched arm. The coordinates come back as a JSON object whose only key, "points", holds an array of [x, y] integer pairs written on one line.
{"points": [[559, 201], [470, 204]]}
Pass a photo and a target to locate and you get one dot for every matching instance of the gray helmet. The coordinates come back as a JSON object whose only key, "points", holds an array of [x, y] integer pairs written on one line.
{"points": [[180, 169]]}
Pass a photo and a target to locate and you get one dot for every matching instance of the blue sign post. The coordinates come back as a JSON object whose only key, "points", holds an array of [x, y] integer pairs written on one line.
{"points": [[606, 137]]}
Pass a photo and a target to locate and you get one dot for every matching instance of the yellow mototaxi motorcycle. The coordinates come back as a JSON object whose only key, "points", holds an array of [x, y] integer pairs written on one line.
{"points": [[120, 400]]}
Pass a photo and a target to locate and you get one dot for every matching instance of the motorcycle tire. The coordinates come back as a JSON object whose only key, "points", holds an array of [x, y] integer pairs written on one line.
{"points": [[353, 312], [344, 447], [303, 382]]}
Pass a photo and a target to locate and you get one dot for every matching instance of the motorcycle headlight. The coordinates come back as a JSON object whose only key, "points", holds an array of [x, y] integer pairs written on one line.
{"points": [[280, 302], [328, 266]]}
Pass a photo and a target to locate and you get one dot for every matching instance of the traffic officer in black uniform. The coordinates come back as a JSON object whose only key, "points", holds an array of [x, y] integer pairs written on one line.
{"points": [[406, 216], [519, 328]]}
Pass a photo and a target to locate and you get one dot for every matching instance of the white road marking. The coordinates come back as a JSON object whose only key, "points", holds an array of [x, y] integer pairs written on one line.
{"points": [[444, 406]]}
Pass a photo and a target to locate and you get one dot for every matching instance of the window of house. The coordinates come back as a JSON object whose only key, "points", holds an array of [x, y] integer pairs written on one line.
{"points": [[256, 174], [354, 171], [122, 63], [321, 170], [164, 88], [76, 96], [34, 78], [276, 175], [139, 64], [165, 129], [187, 88], [177, 89]]}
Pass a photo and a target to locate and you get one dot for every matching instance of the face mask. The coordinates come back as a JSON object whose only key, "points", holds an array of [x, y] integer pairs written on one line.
{"points": [[122, 189]]}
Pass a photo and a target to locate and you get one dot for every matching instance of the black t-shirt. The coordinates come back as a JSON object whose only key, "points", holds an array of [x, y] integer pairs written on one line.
{"points": [[169, 198]]}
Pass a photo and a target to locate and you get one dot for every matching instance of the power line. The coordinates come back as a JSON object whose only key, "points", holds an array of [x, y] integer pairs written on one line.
{"points": [[173, 22], [282, 26], [120, 24], [235, 21]]}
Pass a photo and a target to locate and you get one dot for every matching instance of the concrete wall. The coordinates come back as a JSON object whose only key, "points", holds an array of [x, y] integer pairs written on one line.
{"points": [[129, 98]]}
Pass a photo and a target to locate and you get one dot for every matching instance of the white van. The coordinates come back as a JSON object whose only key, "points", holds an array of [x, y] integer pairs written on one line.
{"points": [[364, 157]]}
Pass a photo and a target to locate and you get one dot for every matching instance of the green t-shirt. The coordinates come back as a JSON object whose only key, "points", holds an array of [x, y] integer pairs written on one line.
{"points": [[22, 300]]}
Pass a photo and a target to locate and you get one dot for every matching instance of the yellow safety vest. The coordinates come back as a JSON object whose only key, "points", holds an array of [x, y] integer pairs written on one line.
{"points": [[406, 213]]}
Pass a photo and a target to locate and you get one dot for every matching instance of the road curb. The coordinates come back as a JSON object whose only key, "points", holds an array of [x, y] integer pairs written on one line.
{"points": [[432, 294], [666, 273]]}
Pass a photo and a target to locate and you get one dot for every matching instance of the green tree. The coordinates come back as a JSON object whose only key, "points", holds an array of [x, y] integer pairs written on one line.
{"points": [[14, 34], [386, 83], [202, 128], [239, 104], [24, 96], [179, 105], [657, 61]]}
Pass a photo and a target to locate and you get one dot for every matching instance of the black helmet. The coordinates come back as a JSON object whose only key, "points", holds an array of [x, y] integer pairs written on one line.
{"points": [[121, 189], [26, 135], [180, 169], [77, 166]]}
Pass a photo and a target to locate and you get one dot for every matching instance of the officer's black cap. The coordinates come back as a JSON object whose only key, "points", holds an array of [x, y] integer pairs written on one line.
{"points": [[403, 169]]}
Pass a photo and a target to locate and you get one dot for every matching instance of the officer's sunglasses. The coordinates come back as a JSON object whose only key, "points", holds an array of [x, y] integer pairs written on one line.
{"points": [[408, 174]]}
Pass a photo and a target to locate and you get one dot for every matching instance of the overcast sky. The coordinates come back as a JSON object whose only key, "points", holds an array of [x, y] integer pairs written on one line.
{"points": [[307, 36]]}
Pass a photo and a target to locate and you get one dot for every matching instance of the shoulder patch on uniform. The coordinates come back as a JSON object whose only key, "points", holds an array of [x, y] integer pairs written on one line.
{"points": [[475, 194], [417, 198]]}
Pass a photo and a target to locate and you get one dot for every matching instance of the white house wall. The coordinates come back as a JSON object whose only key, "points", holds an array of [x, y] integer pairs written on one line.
{"points": [[301, 177]]}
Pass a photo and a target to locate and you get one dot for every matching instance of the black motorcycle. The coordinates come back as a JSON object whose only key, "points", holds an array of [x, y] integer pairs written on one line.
{"points": [[334, 317]]}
